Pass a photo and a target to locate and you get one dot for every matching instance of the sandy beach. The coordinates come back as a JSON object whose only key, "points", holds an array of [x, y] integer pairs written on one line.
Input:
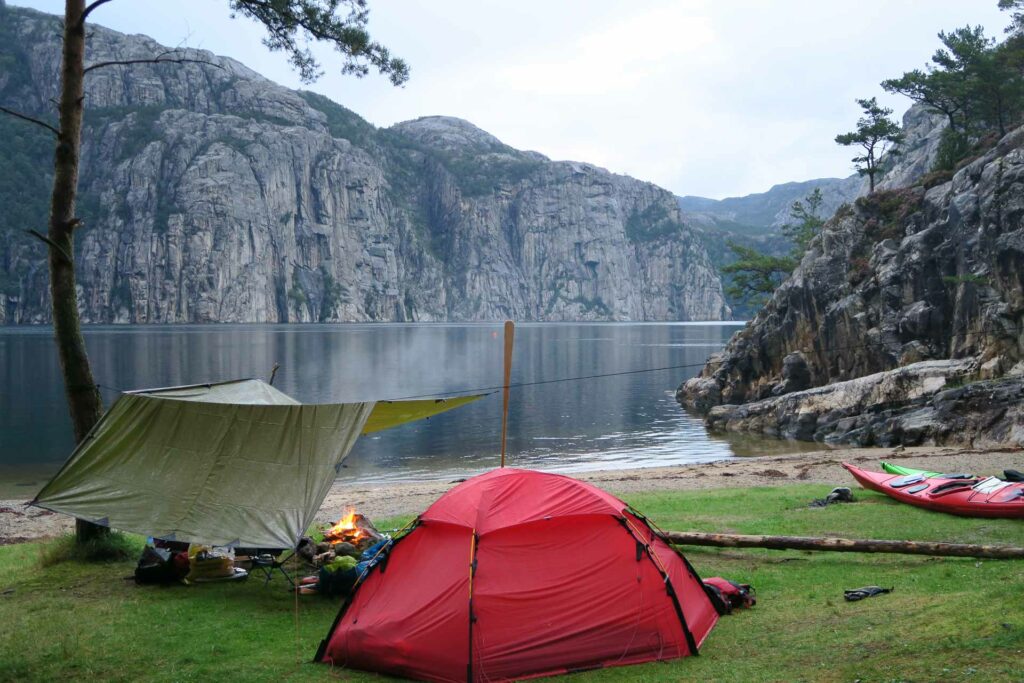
{"points": [[19, 523]]}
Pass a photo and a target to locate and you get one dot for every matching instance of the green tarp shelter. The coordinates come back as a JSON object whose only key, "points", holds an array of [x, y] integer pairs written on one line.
{"points": [[236, 464]]}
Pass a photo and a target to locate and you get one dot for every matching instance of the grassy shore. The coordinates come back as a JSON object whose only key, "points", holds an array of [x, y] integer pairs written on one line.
{"points": [[947, 619]]}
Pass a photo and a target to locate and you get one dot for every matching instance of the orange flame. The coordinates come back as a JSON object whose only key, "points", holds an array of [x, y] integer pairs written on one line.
{"points": [[346, 527]]}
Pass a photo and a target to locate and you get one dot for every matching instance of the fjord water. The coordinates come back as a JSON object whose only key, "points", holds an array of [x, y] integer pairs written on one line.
{"points": [[627, 420]]}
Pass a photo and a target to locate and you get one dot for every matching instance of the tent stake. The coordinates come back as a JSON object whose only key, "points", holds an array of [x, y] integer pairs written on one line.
{"points": [[844, 545], [510, 333]]}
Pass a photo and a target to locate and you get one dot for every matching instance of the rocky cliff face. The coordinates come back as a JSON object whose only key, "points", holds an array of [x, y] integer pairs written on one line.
{"points": [[212, 194], [899, 278]]}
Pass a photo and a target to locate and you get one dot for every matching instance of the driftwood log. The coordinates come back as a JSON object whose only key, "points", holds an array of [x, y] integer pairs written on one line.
{"points": [[844, 545]]}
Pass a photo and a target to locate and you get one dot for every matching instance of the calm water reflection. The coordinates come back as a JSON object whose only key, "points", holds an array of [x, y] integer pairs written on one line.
{"points": [[614, 422]]}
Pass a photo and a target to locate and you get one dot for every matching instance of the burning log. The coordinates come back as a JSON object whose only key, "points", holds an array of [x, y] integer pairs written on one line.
{"points": [[352, 534]]}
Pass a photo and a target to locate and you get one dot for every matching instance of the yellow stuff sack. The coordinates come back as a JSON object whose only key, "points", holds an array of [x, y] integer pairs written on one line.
{"points": [[208, 563]]}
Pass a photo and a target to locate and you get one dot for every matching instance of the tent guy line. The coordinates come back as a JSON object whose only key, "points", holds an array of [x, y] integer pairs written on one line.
{"points": [[519, 385], [684, 366]]}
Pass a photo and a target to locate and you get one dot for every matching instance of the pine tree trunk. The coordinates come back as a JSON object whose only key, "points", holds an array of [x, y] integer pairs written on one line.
{"points": [[80, 388]]}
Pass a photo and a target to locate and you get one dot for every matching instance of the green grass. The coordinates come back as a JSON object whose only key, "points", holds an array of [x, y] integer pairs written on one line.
{"points": [[110, 547], [947, 619]]}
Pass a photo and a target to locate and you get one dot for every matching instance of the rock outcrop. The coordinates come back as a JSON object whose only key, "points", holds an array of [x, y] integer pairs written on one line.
{"points": [[212, 194], [922, 132], [930, 402], [902, 277]]}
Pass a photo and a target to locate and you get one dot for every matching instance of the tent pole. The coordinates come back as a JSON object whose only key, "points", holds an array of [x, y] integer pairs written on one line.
{"points": [[273, 373], [510, 333]]}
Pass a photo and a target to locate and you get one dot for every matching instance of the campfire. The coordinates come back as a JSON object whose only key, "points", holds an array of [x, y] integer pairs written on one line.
{"points": [[353, 528]]}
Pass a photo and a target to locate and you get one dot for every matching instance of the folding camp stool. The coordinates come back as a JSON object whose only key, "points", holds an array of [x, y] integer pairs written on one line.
{"points": [[266, 563]]}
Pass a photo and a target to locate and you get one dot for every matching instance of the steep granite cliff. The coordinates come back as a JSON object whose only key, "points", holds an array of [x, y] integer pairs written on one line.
{"points": [[911, 301], [212, 194]]}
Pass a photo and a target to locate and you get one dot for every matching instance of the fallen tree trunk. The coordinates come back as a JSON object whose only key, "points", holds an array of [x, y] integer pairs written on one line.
{"points": [[844, 545]]}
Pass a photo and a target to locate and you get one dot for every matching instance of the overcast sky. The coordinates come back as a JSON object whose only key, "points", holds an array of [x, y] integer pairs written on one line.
{"points": [[705, 97]]}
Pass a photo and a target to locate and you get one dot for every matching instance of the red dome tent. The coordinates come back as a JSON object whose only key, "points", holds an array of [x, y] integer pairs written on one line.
{"points": [[515, 574]]}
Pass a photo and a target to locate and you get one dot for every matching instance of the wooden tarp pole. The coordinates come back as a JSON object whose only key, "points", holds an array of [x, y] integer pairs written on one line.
{"points": [[510, 333], [844, 545]]}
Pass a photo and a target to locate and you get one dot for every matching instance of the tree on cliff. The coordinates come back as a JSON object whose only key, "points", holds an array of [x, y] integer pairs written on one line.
{"points": [[291, 25], [977, 84], [876, 134], [755, 275], [946, 84], [1016, 9], [808, 222]]}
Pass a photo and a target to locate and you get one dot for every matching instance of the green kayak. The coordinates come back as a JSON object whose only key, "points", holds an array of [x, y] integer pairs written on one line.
{"points": [[899, 469]]}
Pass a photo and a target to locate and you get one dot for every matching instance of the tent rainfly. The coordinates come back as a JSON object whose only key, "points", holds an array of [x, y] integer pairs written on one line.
{"points": [[236, 464], [516, 574]]}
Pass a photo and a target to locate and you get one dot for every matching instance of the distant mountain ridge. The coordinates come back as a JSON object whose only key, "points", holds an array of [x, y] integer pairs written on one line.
{"points": [[764, 213], [767, 212]]}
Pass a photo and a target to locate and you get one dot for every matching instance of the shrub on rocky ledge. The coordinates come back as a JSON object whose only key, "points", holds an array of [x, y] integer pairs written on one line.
{"points": [[886, 212]]}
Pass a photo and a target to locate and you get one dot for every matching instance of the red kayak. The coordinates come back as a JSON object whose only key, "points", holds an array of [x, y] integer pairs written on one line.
{"points": [[959, 495]]}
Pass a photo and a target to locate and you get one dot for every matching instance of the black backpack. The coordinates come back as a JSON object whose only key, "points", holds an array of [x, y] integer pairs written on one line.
{"points": [[157, 566], [728, 595]]}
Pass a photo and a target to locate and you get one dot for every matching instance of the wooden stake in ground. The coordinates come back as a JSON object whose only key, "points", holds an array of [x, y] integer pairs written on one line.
{"points": [[844, 545], [510, 333]]}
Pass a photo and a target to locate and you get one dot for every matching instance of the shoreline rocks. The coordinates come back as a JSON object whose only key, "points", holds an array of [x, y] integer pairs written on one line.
{"points": [[927, 403]]}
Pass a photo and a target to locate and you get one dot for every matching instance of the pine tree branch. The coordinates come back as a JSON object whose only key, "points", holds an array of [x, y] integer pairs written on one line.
{"points": [[88, 10], [159, 59], [51, 243], [30, 119]]}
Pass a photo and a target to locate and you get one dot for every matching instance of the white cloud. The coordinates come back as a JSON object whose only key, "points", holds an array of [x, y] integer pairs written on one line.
{"points": [[622, 57], [707, 97]]}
